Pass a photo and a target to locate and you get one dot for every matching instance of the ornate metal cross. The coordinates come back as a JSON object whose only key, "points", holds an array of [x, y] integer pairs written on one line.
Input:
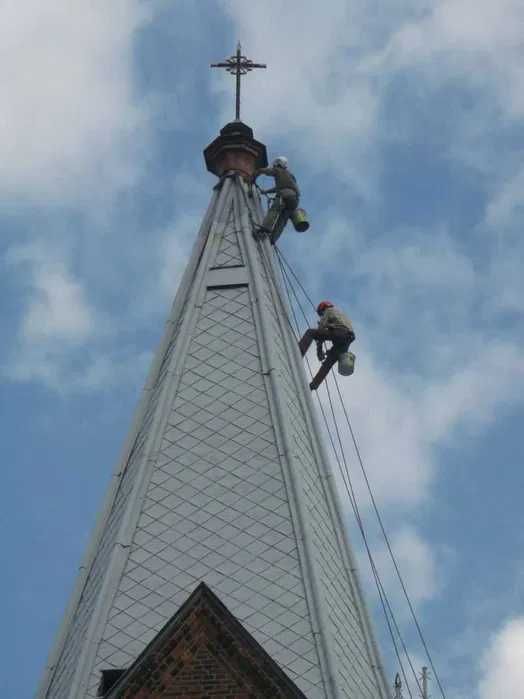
{"points": [[238, 65]]}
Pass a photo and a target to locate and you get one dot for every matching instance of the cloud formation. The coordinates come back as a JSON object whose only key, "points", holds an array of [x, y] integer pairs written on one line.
{"points": [[502, 664], [351, 94], [417, 562], [400, 421], [58, 310], [71, 125], [57, 321], [63, 341], [479, 43], [318, 92]]}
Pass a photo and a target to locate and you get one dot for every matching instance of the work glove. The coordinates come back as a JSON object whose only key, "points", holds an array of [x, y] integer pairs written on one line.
{"points": [[320, 353]]}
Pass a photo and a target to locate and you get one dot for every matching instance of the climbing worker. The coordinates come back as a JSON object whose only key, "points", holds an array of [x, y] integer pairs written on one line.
{"points": [[287, 195], [333, 326]]}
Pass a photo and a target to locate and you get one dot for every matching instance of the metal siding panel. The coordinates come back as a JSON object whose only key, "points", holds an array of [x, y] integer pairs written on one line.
{"points": [[217, 505], [224, 483], [229, 253]]}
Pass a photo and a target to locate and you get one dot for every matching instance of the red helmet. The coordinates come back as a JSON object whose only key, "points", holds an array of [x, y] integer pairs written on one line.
{"points": [[323, 305]]}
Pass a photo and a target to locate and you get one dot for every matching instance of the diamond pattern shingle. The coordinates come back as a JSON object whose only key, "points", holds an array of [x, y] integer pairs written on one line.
{"points": [[229, 253], [216, 506], [206, 494]]}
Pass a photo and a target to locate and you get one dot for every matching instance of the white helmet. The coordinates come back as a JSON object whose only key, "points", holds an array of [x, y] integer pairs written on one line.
{"points": [[280, 162]]}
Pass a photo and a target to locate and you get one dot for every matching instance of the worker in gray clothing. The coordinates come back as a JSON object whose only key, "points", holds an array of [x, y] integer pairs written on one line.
{"points": [[286, 200], [333, 326]]}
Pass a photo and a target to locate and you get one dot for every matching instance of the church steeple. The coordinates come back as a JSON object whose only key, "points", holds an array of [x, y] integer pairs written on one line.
{"points": [[224, 480]]}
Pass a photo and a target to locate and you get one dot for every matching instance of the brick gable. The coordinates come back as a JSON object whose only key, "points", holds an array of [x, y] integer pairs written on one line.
{"points": [[204, 652]]}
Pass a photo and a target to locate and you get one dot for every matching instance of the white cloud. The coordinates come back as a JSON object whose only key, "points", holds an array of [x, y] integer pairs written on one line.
{"points": [[391, 439], [502, 664], [472, 396], [418, 566], [72, 372], [69, 123], [176, 242], [175, 253], [502, 229], [59, 328], [314, 89], [58, 310], [417, 563], [330, 77], [399, 420], [506, 202], [104, 371], [479, 43]]}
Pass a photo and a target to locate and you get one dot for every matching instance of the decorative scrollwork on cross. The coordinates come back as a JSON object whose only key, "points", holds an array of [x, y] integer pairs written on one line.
{"points": [[238, 65]]}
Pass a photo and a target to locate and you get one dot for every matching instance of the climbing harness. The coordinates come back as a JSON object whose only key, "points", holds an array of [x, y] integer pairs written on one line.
{"points": [[276, 223]]}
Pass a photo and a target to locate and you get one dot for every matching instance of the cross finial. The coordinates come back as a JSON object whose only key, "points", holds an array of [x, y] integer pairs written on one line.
{"points": [[238, 65]]}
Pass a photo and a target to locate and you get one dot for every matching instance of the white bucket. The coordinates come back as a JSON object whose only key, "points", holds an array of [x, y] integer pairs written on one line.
{"points": [[346, 364]]}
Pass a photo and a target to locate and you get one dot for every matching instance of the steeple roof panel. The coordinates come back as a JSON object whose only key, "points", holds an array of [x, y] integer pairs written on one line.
{"points": [[224, 481]]}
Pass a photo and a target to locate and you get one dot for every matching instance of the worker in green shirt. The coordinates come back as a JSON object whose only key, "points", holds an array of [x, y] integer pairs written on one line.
{"points": [[287, 195]]}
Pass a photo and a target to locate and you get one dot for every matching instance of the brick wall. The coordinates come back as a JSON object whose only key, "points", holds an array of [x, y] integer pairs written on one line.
{"points": [[199, 661]]}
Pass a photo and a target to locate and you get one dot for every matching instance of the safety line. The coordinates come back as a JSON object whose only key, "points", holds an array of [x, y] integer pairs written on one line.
{"points": [[386, 539], [380, 588], [351, 496], [358, 517], [378, 582], [370, 491]]}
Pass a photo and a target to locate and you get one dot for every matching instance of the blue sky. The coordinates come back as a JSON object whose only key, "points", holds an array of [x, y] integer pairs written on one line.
{"points": [[404, 123]]}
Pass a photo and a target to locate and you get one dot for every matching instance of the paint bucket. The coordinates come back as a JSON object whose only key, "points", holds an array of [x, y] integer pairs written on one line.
{"points": [[346, 364], [300, 220]]}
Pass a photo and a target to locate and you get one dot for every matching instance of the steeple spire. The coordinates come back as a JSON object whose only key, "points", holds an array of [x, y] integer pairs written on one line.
{"points": [[224, 481]]}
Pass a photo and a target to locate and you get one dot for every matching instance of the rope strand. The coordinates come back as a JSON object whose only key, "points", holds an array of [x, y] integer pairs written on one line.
{"points": [[386, 606], [282, 262]]}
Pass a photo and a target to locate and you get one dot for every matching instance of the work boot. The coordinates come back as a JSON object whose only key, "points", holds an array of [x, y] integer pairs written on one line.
{"points": [[305, 342], [261, 232], [321, 374]]}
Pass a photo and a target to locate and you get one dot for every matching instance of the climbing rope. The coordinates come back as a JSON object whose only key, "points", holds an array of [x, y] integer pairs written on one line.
{"points": [[288, 271], [344, 470], [346, 479]]}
